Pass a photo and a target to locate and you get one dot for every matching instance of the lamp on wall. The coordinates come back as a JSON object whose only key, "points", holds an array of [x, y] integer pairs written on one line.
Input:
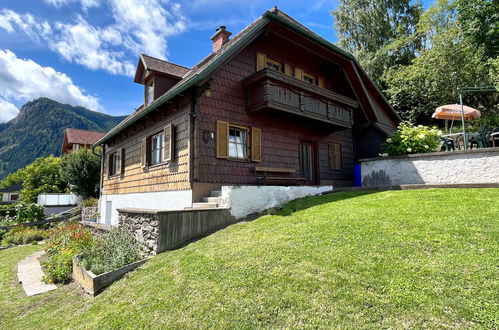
{"points": [[208, 92]]}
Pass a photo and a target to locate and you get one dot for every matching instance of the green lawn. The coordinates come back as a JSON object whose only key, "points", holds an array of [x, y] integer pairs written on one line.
{"points": [[394, 259]]}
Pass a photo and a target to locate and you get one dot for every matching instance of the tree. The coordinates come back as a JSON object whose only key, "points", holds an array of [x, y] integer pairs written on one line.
{"points": [[81, 169], [449, 59], [41, 176], [379, 33]]}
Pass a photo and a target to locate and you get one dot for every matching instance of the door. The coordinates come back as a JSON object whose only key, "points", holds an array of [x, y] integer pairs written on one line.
{"points": [[308, 162], [109, 212]]}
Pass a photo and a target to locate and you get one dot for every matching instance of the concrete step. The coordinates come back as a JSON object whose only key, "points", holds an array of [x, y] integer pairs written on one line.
{"points": [[204, 205], [211, 199], [216, 193]]}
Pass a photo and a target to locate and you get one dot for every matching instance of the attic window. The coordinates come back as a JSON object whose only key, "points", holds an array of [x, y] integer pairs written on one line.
{"points": [[273, 65], [309, 79], [149, 92]]}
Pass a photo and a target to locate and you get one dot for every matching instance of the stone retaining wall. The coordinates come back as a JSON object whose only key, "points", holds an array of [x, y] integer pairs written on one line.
{"points": [[479, 166], [165, 230], [89, 213]]}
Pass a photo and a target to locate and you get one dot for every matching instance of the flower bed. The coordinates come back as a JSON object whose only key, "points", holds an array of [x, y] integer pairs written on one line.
{"points": [[94, 284], [23, 235]]}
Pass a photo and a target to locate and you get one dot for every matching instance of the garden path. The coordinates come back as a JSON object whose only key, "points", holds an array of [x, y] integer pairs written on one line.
{"points": [[30, 273]]}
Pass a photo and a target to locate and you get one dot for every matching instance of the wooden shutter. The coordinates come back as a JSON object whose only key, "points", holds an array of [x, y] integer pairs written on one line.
{"points": [[107, 168], [299, 74], [320, 82], [222, 139], [261, 61], [118, 161], [143, 152], [122, 162], [287, 69], [256, 144], [335, 156], [168, 148]]}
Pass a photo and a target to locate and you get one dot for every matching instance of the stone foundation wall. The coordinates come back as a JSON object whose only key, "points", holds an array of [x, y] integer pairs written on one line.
{"points": [[143, 226], [89, 213]]}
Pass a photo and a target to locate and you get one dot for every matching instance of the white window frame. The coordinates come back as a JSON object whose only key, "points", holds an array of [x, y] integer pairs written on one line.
{"points": [[156, 148], [238, 145]]}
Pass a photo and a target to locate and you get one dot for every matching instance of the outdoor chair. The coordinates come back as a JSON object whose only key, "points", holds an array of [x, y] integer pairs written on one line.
{"points": [[447, 144], [484, 137], [494, 137]]}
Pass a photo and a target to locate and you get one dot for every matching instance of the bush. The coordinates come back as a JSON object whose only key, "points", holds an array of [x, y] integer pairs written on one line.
{"points": [[29, 212], [24, 235], [410, 139], [111, 251], [90, 202], [65, 242]]}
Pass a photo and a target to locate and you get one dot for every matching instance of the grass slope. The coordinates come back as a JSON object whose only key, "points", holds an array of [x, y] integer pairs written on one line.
{"points": [[421, 258]]}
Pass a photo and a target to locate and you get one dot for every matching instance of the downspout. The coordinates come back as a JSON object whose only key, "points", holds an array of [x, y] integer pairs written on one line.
{"points": [[193, 176], [101, 166]]}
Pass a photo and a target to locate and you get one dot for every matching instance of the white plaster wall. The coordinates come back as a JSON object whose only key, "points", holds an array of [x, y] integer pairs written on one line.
{"points": [[165, 200], [245, 200], [441, 168]]}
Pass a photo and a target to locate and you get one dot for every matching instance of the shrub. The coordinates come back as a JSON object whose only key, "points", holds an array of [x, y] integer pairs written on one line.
{"points": [[410, 139], [112, 250], [29, 212], [65, 242], [90, 202], [24, 235]]}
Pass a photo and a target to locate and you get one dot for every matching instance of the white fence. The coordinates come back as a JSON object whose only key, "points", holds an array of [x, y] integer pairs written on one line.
{"points": [[58, 199]]}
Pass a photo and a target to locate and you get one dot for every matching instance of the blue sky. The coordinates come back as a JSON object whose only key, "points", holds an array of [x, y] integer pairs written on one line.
{"points": [[84, 52]]}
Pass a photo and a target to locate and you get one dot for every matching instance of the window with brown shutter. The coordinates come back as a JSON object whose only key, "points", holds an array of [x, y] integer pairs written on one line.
{"points": [[119, 160], [335, 156], [169, 136], [122, 162], [256, 144], [222, 139]]}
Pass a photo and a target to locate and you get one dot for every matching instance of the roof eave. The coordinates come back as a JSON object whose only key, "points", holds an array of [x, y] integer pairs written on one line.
{"points": [[188, 84]]}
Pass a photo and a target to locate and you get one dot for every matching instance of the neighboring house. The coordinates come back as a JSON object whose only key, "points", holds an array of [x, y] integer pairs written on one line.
{"points": [[274, 105], [75, 139], [11, 193]]}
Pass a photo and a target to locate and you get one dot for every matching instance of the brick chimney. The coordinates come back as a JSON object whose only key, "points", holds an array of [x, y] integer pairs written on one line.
{"points": [[220, 37]]}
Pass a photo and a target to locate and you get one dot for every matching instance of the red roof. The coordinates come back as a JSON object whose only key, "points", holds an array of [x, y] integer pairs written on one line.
{"points": [[81, 136]]}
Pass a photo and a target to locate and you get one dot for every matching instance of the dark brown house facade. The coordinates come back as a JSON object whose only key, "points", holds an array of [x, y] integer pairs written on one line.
{"points": [[274, 105]]}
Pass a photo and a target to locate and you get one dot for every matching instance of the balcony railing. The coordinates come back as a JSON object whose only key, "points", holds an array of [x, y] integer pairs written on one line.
{"points": [[269, 89]]}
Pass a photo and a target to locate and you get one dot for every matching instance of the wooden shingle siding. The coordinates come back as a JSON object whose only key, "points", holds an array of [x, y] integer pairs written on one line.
{"points": [[137, 176], [280, 134]]}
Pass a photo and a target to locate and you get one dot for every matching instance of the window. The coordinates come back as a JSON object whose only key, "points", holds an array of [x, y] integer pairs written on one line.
{"points": [[238, 142], [156, 149], [14, 197], [149, 92], [113, 163], [76, 146], [309, 79], [273, 65]]}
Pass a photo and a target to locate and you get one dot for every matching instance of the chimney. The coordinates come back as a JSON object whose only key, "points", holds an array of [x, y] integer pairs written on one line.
{"points": [[220, 37]]}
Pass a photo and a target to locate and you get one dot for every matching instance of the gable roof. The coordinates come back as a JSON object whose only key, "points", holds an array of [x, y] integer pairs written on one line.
{"points": [[80, 136], [150, 63], [16, 187], [205, 67]]}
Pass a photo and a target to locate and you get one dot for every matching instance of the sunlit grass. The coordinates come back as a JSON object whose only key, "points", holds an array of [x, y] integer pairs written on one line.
{"points": [[395, 259]]}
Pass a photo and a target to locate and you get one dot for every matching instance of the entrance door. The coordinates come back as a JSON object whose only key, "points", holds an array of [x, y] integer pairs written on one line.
{"points": [[308, 161]]}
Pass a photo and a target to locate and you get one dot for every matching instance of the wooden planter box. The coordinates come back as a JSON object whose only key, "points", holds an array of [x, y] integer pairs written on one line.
{"points": [[94, 284]]}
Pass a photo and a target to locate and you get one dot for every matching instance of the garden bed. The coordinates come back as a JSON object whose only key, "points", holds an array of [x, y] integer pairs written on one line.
{"points": [[94, 284]]}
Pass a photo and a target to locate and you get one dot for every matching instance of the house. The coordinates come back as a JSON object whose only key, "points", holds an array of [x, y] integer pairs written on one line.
{"points": [[275, 105], [11, 193], [75, 139]]}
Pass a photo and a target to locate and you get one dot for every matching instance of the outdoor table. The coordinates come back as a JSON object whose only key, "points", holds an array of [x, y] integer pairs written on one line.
{"points": [[457, 137]]}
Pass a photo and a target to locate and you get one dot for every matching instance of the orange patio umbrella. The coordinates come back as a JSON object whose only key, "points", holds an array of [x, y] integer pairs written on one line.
{"points": [[453, 111]]}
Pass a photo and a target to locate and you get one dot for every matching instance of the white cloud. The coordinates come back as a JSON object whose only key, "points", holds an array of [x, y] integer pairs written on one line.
{"points": [[139, 26], [7, 111], [85, 4], [22, 79]]}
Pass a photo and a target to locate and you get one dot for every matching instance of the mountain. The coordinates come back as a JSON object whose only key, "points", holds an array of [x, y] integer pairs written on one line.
{"points": [[38, 129]]}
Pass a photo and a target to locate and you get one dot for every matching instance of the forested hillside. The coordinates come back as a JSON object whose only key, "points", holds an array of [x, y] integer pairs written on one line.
{"points": [[38, 131]]}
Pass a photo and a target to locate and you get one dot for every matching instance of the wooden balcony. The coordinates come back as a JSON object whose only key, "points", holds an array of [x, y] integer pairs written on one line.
{"points": [[269, 89]]}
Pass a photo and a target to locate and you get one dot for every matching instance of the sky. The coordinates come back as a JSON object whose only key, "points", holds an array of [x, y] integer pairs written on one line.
{"points": [[84, 52]]}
